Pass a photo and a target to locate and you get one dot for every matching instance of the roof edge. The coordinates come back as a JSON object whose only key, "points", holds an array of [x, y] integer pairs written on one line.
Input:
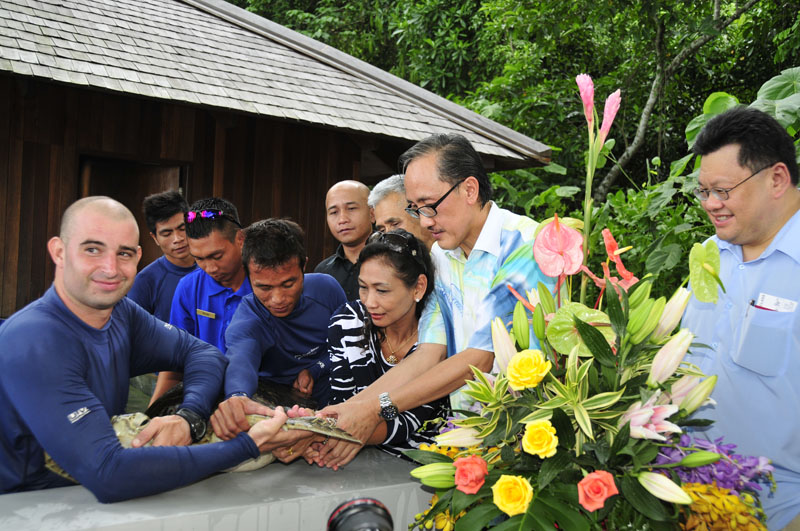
{"points": [[327, 54]]}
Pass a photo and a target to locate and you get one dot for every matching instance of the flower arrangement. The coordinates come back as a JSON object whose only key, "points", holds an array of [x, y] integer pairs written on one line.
{"points": [[587, 430]]}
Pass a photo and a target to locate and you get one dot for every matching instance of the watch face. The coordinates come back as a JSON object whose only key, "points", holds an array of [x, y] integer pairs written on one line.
{"points": [[389, 412]]}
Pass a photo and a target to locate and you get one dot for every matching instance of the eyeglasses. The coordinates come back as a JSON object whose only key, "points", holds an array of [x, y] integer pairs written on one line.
{"points": [[194, 215], [722, 194], [430, 210]]}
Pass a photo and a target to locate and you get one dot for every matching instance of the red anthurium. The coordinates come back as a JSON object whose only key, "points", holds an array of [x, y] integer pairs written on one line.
{"points": [[611, 248]]}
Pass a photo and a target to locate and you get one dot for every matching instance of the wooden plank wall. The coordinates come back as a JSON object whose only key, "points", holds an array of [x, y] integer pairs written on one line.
{"points": [[266, 167]]}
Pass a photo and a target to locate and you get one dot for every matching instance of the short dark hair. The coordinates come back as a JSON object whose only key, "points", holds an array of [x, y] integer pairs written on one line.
{"points": [[406, 254], [201, 227], [456, 160], [273, 242], [761, 139], [160, 207]]}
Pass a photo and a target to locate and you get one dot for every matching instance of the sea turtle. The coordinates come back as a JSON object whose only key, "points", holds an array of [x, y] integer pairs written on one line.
{"points": [[128, 425]]}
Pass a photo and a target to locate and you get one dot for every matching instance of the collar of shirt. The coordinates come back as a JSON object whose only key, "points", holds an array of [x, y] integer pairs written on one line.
{"points": [[489, 238], [786, 241]]}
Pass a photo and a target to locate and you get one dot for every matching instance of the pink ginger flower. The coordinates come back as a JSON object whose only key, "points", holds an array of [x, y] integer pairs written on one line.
{"points": [[558, 249], [586, 87], [609, 112], [648, 421]]}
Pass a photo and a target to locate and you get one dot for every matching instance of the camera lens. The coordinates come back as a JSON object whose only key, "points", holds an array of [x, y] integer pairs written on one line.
{"points": [[360, 514]]}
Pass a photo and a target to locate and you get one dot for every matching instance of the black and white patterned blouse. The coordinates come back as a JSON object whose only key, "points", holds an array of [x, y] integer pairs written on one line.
{"points": [[354, 366]]}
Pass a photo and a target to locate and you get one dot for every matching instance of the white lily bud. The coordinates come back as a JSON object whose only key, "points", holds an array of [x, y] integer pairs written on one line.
{"points": [[461, 437], [503, 345], [699, 395], [672, 314], [663, 488], [669, 357]]}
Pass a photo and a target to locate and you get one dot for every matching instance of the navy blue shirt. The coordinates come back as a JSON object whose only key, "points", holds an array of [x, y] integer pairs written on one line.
{"points": [[204, 307], [155, 285], [278, 348], [60, 382]]}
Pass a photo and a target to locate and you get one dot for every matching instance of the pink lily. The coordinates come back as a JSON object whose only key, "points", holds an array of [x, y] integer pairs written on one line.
{"points": [[609, 112], [648, 421], [679, 390], [586, 87]]}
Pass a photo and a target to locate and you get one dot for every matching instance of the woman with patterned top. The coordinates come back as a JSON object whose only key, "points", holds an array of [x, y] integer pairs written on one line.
{"points": [[369, 336]]}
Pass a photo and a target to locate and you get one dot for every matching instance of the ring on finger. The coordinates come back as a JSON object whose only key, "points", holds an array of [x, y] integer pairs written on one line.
{"points": [[327, 438], [290, 451]]}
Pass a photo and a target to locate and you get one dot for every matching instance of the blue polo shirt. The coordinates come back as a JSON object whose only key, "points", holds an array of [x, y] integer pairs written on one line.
{"points": [[755, 353], [61, 380], [278, 348], [204, 307], [155, 285]]}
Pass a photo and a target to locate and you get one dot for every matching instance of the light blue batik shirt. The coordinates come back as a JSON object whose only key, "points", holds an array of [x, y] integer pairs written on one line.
{"points": [[755, 353], [472, 291]]}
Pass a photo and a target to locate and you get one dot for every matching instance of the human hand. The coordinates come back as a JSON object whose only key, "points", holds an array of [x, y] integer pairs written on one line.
{"points": [[304, 383], [230, 418], [171, 430], [358, 419], [293, 450]]}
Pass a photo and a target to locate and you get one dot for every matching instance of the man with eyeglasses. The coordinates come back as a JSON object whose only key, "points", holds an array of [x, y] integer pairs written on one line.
{"points": [[388, 203], [479, 250], [205, 300], [65, 363], [748, 187]]}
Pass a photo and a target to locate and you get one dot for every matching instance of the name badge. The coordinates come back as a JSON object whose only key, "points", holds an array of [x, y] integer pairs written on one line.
{"points": [[204, 313], [776, 304]]}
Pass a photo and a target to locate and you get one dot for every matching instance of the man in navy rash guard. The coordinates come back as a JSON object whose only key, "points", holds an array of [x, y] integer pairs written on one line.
{"points": [[279, 332], [155, 284], [65, 362]]}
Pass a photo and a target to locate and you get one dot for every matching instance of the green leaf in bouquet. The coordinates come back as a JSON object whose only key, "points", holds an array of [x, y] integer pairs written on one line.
{"points": [[596, 340], [461, 501], [546, 298], [583, 373], [641, 500], [615, 313], [521, 329], [539, 414], [507, 454], [644, 453], [566, 516], [603, 400], [698, 423], [572, 367], [515, 523], [562, 333], [582, 418], [564, 428], [424, 457], [620, 439], [552, 466], [478, 517], [704, 271]]}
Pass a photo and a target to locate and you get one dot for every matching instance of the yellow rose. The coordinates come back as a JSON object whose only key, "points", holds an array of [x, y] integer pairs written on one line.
{"points": [[540, 439], [526, 369], [512, 494]]}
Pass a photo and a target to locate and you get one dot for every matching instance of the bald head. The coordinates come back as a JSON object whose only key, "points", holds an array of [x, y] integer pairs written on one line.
{"points": [[348, 215], [97, 204]]}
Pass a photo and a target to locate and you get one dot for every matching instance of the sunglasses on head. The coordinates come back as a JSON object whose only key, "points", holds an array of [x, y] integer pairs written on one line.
{"points": [[399, 242], [194, 215]]}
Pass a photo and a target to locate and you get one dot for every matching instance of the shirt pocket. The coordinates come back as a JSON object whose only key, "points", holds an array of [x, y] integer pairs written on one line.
{"points": [[765, 341]]}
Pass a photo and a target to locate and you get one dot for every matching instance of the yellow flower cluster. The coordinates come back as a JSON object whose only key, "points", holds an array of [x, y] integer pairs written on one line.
{"points": [[540, 439], [526, 369], [714, 508], [441, 522], [455, 451]]}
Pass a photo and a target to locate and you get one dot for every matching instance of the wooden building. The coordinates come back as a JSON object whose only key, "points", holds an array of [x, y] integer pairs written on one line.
{"points": [[131, 97]]}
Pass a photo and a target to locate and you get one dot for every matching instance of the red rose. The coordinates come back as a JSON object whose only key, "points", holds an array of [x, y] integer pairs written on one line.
{"points": [[595, 488], [470, 474]]}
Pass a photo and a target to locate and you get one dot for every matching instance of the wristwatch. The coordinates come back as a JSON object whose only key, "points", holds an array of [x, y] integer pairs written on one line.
{"points": [[197, 424], [388, 409]]}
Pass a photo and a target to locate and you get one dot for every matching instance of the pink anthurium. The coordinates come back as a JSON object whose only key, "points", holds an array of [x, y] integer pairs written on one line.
{"points": [[558, 249]]}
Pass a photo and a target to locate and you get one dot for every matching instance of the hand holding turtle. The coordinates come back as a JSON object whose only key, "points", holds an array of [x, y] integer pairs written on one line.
{"points": [[359, 420], [171, 430]]}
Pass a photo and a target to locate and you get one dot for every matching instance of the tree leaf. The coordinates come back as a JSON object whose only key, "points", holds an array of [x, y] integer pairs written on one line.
{"points": [[662, 258]]}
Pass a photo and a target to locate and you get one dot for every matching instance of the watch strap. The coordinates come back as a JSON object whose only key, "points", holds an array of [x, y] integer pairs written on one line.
{"points": [[197, 424]]}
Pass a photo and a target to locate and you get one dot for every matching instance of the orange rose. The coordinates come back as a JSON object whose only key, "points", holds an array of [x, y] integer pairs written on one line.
{"points": [[470, 474], [595, 488]]}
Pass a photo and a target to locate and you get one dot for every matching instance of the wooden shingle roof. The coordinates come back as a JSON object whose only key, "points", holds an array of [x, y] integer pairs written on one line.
{"points": [[211, 53]]}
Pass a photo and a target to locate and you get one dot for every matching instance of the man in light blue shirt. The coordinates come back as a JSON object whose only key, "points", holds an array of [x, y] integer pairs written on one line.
{"points": [[748, 187], [479, 249]]}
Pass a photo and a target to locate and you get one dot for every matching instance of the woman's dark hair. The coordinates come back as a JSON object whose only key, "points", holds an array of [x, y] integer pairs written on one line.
{"points": [[407, 255]]}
